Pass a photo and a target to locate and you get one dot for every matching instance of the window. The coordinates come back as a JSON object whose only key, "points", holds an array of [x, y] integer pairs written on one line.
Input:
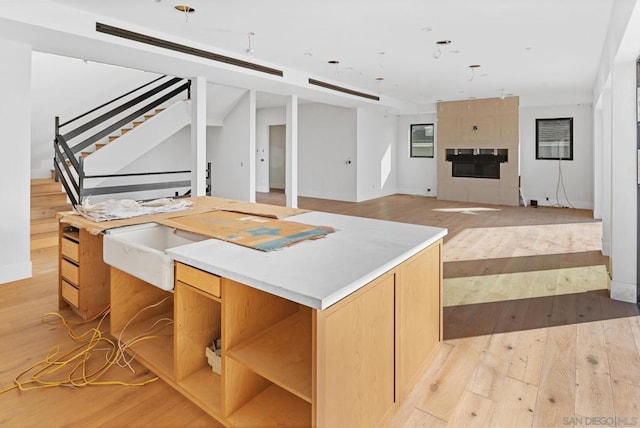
{"points": [[554, 138], [421, 144]]}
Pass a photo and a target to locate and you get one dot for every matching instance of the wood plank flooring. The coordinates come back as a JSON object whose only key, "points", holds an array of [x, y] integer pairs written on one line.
{"points": [[531, 338]]}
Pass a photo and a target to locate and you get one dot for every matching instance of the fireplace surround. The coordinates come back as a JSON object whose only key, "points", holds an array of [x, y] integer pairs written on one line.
{"points": [[476, 163]]}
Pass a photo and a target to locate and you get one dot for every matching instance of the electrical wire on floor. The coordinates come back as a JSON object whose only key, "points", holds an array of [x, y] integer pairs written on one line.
{"points": [[48, 373], [564, 190]]}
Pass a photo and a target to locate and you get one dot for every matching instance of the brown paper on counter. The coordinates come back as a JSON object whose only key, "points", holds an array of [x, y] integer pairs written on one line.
{"points": [[262, 210], [74, 219], [250, 231], [202, 204]]}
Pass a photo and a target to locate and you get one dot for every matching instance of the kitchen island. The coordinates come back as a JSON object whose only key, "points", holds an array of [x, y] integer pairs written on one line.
{"points": [[327, 332]]}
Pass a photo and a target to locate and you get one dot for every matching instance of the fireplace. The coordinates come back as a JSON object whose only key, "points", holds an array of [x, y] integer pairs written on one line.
{"points": [[476, 163]]}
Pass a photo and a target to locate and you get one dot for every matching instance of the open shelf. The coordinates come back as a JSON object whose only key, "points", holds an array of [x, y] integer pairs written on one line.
{"points": [[155, 352], [273, 407], [281, 354], [205, 386], [71, 233]]}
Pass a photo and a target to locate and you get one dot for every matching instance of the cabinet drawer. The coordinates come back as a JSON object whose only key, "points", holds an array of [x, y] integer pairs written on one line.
{"points": [[69, 293], [69, 249], [199, 279], [69, 271]]}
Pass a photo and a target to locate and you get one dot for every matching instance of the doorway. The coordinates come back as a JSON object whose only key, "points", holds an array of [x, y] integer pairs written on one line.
{"points": [[277, 156]]}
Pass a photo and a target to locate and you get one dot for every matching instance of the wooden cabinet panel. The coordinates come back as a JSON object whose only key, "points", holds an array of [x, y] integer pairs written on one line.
{"points": [[70, 272], [69, 249], [69, 293], [81, 265], [419, 313], [197, 278], [355, 358]]}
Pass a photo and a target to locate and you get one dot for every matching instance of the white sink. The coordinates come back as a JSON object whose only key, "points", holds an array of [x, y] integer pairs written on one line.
{"points": [[139, 250]]}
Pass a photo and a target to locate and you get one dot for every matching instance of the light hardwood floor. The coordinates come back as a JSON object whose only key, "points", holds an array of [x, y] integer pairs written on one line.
{"points": [[531, 338]]}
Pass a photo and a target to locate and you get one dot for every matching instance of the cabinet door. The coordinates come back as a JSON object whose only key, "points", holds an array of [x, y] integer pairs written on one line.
{"points": [[355, 358], [419, 313]]}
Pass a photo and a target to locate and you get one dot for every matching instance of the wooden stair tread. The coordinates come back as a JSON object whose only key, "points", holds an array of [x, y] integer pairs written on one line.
{"points": [[45, 188], [44, 240], [48, 212], [44, 225]]}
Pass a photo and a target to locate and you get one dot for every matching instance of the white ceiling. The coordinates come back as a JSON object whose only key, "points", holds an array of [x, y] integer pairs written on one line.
{"points": [[525, 47]]}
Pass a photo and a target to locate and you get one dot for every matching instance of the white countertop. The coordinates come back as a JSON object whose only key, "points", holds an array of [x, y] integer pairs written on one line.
{"points": [[315, 273]]}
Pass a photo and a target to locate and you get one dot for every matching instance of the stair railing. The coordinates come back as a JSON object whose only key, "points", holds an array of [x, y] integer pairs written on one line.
{"points": [[99, 122]]}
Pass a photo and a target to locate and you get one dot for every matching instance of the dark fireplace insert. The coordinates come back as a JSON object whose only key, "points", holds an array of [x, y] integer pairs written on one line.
{"points": [[476, 163]]}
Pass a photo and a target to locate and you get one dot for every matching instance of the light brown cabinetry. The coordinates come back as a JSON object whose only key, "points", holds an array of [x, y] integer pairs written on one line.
{"points": [[84, 278], [283, 363]]}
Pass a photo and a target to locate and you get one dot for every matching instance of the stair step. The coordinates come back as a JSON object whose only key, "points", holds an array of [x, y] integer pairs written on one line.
{"points": [[158, 110], [113, 137], [38, 213], [100, 145], [44, 240], [138, 123], [45, 185], [85, 154], [125, 130], [48, 199], [44, 225], [148, 116]]}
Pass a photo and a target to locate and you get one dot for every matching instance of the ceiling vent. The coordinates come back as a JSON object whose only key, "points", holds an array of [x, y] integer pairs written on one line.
{"points": [[154, 41], [342, 89]]}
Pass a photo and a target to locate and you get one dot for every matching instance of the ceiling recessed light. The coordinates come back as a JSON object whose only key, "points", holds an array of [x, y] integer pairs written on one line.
{"points": [[528, 48], [333, 61], [308, 54], [443, 42], [379, 79], [439, 101], [426, 29], [475, 66], [184, 8]]}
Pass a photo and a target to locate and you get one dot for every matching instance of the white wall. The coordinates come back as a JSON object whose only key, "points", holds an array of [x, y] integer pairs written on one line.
{"points": [[327, 137], [231, 149], [376, 151], [539, 178], [265, 117], [624, 209], [615, 87], [605, 142], [68, 87], [173, 154], [15, 113], [416, 176]]}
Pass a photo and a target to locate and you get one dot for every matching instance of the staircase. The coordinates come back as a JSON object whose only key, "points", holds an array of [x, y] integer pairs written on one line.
{"points": [[47, 198], [91, 150]]}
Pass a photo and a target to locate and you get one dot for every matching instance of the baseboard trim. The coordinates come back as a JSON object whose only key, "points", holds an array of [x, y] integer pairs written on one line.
{"points": [[624, 292], [15, 272]]}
